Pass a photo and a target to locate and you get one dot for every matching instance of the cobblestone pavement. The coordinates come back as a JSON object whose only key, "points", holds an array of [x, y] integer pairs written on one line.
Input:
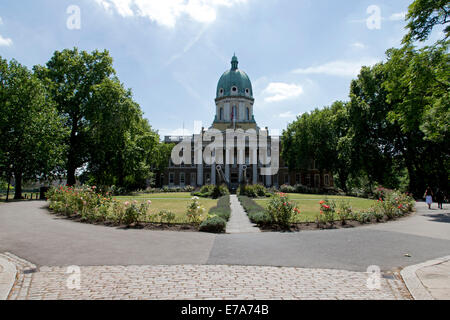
{"points": [[191, 282]]}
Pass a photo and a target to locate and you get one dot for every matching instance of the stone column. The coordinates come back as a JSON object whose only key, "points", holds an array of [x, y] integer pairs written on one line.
{"points": [[200, 175], [213, 174], [268, 181], [241, 173], [227, 172], [255, 174]]}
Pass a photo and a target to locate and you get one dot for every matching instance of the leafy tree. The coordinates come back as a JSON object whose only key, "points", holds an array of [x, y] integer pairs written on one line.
{"points": [[374, 139], [424, 15], [418, 86], [317, 136], [70, 76], [124, 150], [29, 126]]}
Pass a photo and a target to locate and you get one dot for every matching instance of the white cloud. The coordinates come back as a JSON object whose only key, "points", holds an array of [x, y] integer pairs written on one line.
{"points": [[358, 45], [167, 12], [279, 91], [339, 68], [289, 115], [398, 16], [5, 42]]}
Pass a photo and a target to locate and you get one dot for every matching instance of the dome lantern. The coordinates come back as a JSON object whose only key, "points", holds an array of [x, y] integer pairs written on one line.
{"points": [[234, 62], [234, 82]]}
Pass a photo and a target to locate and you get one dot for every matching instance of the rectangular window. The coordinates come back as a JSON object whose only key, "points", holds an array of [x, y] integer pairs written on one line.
{"points": [[298, 179], [327, 180], [193, 179], [286, 179], [171, 178], [317, 181], [182, 179], [308, 180]]}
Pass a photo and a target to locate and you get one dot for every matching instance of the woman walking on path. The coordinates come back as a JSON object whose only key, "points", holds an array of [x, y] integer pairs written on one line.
{"points": [[428, 197]]}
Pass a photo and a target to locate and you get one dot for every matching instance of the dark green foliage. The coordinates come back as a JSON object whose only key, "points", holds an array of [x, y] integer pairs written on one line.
{"points": [[252, 191], [218, 217], [319, 135], [255, 212], [392, 132], [222, 209], [30, 127], [212, 191], [213, 225], [105, 128], [424, 15]]}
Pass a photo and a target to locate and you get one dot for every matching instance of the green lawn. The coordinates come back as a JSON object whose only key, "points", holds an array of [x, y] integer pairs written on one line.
{"points": [[25, 194], [310, 207], [175, 202], [141, 196]]}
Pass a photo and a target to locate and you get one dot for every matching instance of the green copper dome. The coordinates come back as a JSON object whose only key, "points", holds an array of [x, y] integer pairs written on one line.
{"points": [[234, 82]]}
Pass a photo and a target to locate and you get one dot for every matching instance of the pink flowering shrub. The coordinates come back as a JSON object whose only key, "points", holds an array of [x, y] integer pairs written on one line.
{"points": [[282, 211], [95, 207]]}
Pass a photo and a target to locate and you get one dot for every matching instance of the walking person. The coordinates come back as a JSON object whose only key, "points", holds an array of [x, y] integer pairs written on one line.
{"points": [[440, 199], [428, 197]]}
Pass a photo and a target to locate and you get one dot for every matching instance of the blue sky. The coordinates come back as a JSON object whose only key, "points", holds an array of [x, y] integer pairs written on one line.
{"points": [[299, 54]]}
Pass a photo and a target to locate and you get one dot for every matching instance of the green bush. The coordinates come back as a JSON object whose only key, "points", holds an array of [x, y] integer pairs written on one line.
{"points": [[287, 189], [223, 209], [211, 191], [207, 189], [252, 191], [195, 211], [260, 218], [220, 191], [214, 225], [327, 211], [166, 215], [282, 211], [344, 211], [255, 212]]}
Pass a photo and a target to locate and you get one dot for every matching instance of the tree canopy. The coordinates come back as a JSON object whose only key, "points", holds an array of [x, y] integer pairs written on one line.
{"points": [[30, 128], [424, 15], [393, 130]]}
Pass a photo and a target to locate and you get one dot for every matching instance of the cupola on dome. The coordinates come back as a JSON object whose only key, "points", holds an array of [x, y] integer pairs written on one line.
{"points": [[234, 82]]}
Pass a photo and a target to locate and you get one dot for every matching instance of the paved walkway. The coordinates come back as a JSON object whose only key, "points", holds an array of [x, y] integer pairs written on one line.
{"points": [[8, 273], [129, 256], [191, 282], [28, 230], [239, 221], [429, 280]]}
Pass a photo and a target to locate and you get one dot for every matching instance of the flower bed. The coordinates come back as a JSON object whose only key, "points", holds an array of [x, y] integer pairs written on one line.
{"points": [[283, 214], [85, 204]]}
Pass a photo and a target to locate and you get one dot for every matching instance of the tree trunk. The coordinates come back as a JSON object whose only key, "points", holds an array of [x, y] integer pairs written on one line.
{"points": [[71, 179], [71, 157], [9, 186], [18, 186], [343, 181]]}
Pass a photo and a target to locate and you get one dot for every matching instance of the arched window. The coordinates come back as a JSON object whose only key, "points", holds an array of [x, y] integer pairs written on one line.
{"points": [[234, 115], [221, 114], [248, 114]]}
